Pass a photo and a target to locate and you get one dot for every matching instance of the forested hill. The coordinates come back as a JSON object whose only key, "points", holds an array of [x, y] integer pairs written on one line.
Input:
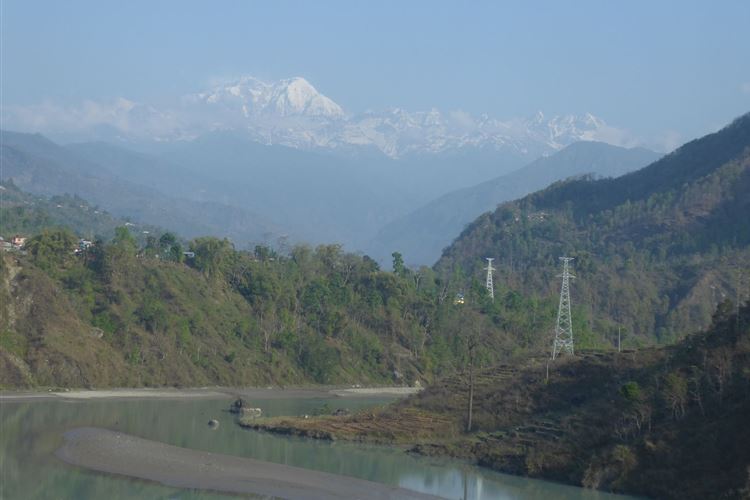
{"points": [[26, 214], [422, 234], [688, 164], [147, 308], [123, 314], [655, 250]]}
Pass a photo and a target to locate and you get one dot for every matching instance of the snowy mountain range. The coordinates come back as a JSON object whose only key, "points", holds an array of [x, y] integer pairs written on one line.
{"points": [[291, 112]]}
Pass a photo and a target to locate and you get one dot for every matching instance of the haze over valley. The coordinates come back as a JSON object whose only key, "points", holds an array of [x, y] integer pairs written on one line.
{"points": [[298, 167]]}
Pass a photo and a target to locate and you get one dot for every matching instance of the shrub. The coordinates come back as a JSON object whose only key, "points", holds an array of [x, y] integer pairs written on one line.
{"points": [[631, 391]]}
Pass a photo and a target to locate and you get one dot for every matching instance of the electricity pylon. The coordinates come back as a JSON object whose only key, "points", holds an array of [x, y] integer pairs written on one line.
{"points": [[564, 328], [489, 285]]}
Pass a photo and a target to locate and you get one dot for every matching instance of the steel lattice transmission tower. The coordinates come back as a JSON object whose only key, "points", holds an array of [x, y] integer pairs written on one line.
{"points": [[564, 328], [489, 284]]}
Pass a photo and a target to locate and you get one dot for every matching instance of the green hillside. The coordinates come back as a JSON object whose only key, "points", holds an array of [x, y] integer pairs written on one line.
{"points": [[124, 314], [422, 234], [656, 250]]}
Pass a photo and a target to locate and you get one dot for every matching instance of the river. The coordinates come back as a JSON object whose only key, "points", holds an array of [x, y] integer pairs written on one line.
{"points": [[30, 432]]}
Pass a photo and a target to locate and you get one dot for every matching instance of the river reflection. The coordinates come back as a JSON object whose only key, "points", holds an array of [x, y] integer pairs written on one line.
{"points": [[30, 432]]}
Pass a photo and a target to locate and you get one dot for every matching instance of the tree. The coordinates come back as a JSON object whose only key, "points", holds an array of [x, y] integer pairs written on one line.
{"points": [[270, 325], [676, 394], [152, 246], [398, 264], [119, 256], [471, 345], [467, 346], [264, 253], [51, 249], [211, 254], [175, 253], [170, 247], [166, 241], [124, 240]]}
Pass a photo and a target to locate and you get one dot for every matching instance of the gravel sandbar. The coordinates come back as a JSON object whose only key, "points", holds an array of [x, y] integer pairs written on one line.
{"points": [[118, 453]]}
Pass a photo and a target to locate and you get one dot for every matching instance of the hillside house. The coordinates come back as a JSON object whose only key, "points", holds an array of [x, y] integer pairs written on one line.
{"points": [[18, 241], [83, 245]]}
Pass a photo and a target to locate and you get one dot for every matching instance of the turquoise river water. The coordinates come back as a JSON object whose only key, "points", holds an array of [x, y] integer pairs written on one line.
{"points": [[31, 431]]}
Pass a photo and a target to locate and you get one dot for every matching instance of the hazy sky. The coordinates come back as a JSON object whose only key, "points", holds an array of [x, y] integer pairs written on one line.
{"points": [[652, 67]]}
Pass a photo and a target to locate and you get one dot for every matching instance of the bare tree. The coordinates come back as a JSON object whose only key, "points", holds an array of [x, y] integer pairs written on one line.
{"points": [[696, 388], [471, 345], [270, 325], [676, 394], [720, 364]]}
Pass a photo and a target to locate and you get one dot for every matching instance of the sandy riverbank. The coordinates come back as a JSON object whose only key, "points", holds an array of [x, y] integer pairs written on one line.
{"points": [[209, 393], [117, 453], [376, 391], [114, 394]]}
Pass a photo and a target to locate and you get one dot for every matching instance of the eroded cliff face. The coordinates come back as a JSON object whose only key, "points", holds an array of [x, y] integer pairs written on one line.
{"points": [[14, 372], [43, 342]]}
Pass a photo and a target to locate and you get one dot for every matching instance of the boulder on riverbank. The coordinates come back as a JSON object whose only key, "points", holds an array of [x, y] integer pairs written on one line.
{"points": [[237, 406]]}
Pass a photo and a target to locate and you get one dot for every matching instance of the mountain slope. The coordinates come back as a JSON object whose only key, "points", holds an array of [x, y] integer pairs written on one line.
{"points": [[666, 423], [118, 314], [421, 235], [41, 167], [227, 184], [655, 249], [316, 197], [25, 214]]}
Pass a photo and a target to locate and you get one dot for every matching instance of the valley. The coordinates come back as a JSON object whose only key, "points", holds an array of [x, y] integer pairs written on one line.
{"points": [[141, 307], [374, 250]]}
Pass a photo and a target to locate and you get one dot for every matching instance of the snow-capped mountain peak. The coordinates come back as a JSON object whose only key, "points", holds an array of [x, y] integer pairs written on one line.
{"points": [[285, 98], [559, 131], [298, 96]]}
